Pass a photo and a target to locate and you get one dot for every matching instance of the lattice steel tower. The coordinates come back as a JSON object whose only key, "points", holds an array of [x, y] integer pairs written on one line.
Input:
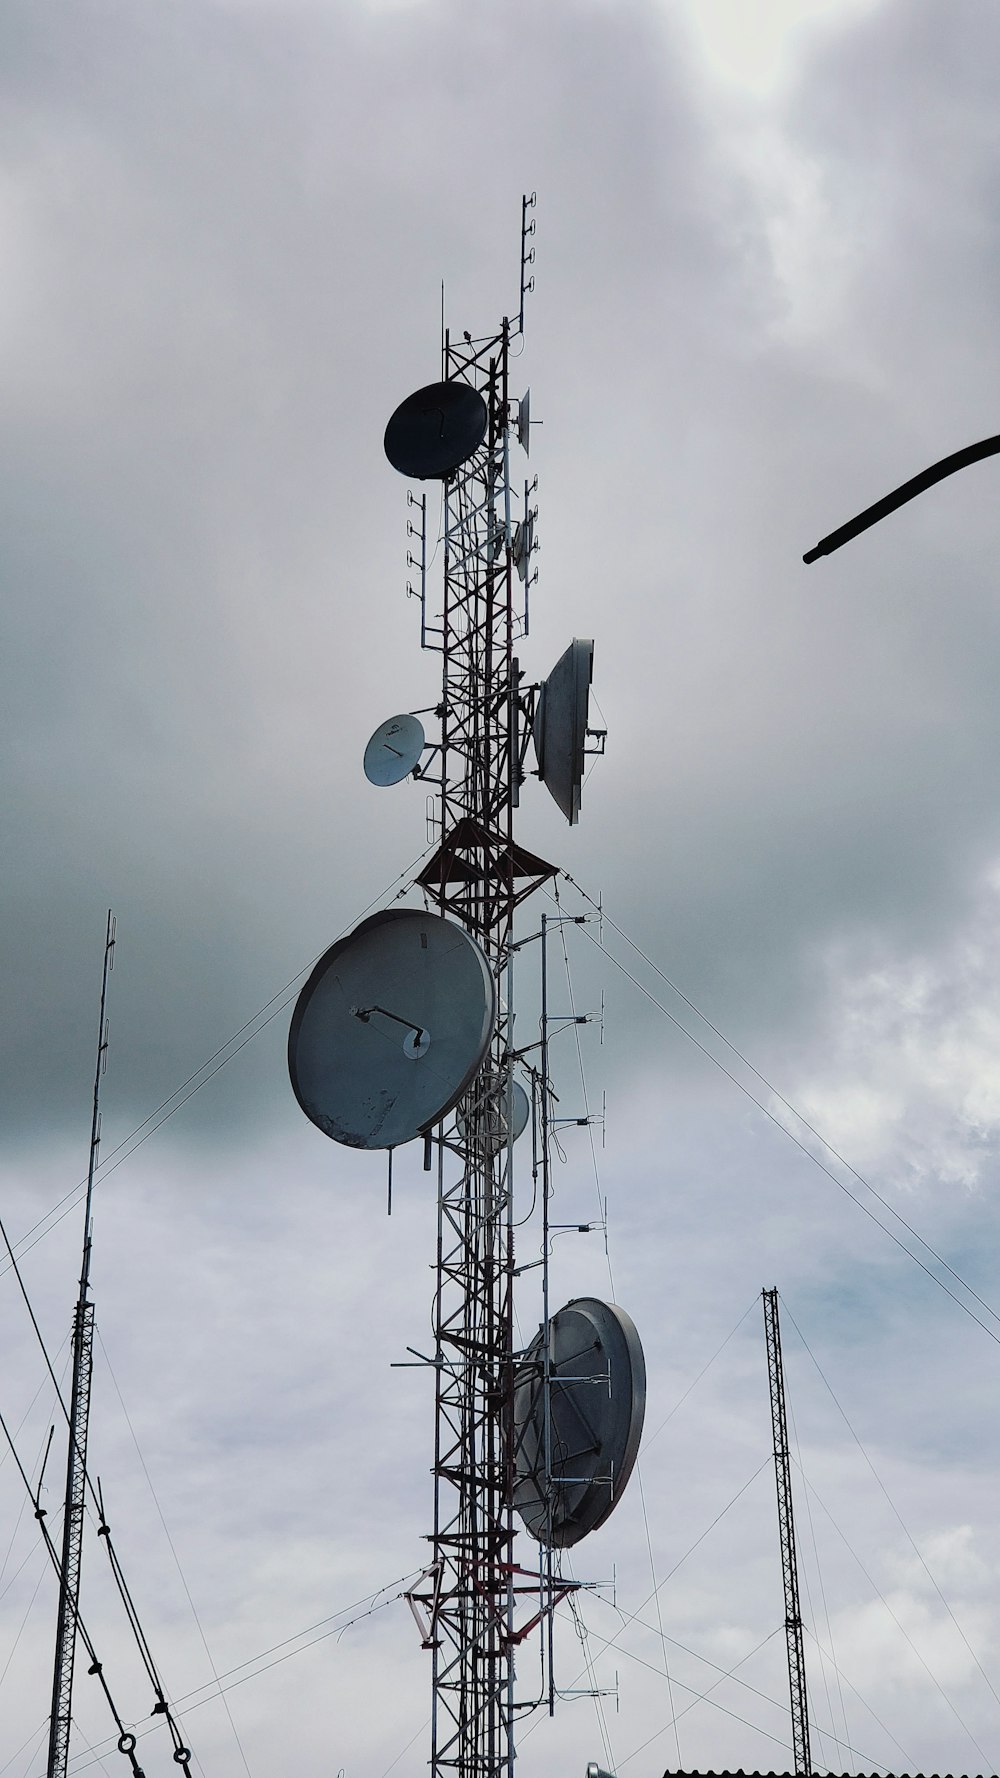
{"points": [[478, 877], [786, 1532], [76, 1461], [394, 1037]]}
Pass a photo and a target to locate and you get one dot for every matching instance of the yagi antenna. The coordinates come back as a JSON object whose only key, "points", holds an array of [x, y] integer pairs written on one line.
{"points": [[527, 254]]}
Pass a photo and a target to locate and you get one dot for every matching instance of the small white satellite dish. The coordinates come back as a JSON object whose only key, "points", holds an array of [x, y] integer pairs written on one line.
{"points": [[560, 726], [492, 1107], [524, 422], [391, 1028], [394, 750]]}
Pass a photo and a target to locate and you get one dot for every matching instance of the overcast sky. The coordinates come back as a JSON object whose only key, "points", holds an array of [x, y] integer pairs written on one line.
{"points": [[768, 247]]}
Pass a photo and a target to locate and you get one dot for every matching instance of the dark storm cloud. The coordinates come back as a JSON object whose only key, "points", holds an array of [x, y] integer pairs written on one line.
{"points": [[815, 742], [224, 230], [218, 231], [230, 227]]}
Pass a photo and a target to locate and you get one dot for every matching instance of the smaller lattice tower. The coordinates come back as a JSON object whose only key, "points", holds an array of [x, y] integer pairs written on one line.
{"points": [[786, 1533], [79, 1417]]}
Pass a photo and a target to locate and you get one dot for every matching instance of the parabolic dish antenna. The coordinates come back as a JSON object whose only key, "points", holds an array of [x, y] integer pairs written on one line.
{"points": [[524, 422], [596, 1405], [391, 1027], [436, 429], [560, 726], [493, 1109], [394, 750]]}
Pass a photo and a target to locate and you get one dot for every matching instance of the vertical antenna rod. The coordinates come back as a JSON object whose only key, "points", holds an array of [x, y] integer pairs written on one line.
{"points": [[786, 1532], [76, 1463]]}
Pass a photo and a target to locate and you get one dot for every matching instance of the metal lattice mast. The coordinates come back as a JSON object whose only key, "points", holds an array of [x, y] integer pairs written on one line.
{"points": [[473, 1531], [76, 1463], [478, 878], [786, 1532]]}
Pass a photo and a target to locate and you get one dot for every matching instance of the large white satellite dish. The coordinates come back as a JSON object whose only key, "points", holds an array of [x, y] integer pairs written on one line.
{"points": [[390, 1029], [560, 726]]}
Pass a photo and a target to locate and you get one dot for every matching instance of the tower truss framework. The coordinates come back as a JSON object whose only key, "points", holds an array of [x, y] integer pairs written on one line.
{"points": [[786, 1531], [476, 1604]]}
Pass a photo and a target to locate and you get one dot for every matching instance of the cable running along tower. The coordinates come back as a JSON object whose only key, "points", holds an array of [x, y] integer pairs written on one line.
{"points": [[406, 1030], [786, 1531]]}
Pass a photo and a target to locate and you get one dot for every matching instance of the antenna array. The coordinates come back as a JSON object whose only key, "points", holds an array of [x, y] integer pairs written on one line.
{"points": [[515, 1438]]}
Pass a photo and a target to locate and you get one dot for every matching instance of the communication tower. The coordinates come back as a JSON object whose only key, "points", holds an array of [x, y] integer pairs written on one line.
{"points": [[405, 1031], [786, 1531], [68, 1615]]}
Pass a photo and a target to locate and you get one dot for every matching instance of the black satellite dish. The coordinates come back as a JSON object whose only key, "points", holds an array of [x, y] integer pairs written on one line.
{"points": [[435, 430], [572, 1462], [560, 726]]}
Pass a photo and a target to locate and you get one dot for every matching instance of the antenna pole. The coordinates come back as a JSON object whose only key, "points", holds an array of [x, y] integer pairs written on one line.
{"points": [[76, 1463], [786, 1532]]}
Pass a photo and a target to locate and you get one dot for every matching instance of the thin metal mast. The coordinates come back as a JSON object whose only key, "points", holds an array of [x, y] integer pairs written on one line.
{"points": [[76, 1462], [786, 1532], [478, 876]]}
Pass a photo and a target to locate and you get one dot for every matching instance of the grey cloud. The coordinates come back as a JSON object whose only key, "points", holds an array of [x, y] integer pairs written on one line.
{"points": [[229, 230]]}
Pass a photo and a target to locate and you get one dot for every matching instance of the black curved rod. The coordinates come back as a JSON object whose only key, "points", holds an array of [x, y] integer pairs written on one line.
{"points": [[987, 447]]}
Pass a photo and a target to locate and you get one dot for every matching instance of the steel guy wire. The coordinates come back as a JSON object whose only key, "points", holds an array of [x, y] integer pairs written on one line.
{"points": [[704, 1369], [863, 1701], [681, 1560], [71, 1197], [770, 1115], [193, 1702], [706, 1697], [37, 1735], [723, 1675], [892, 1505], [699, 1697], [659, 1620], [900, 1627], [822, 1733], [41, 1576]]}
